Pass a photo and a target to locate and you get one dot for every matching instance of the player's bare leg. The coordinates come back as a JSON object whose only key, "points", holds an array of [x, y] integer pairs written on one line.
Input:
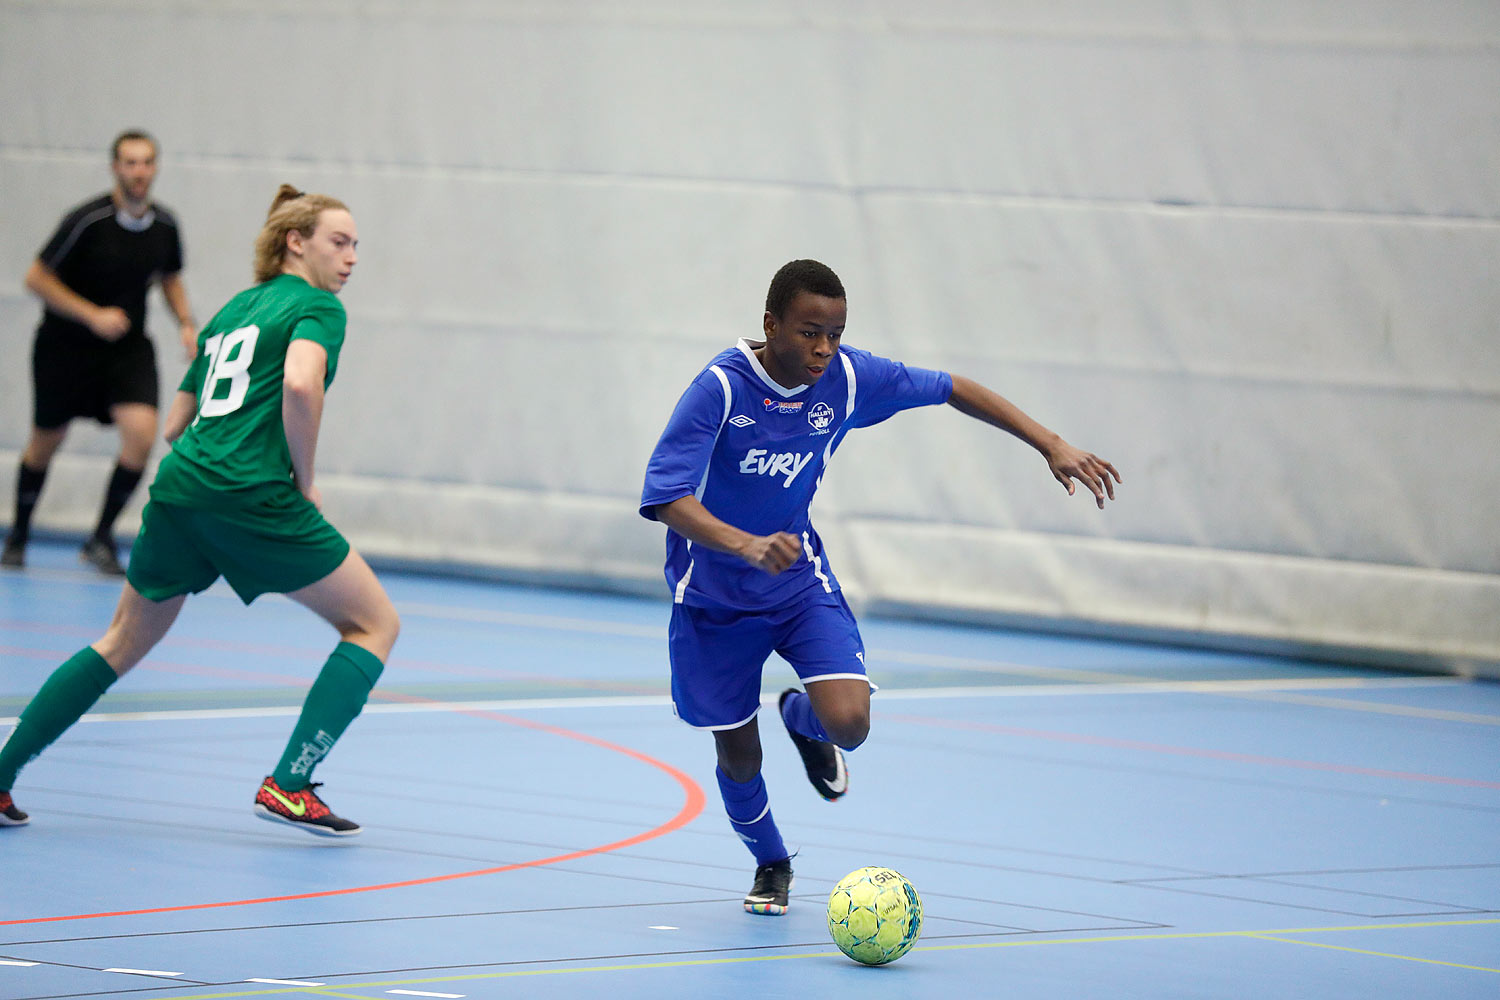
{"points": [[42, 445], [138, 625], [137, 423], [842, 704], [749, 808], [739, 751], [78, 683]]}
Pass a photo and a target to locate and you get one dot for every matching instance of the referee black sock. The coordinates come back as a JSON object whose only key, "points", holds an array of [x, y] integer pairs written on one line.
{"points": [[28, 489], [121, 485]]}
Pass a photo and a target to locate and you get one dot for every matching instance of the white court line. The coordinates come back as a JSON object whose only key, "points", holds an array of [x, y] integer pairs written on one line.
{"points": [[486, 616], [27, 965], [625, 629], [285, 982], [1268, 689], [1378, 707], [143, 972], [419, 993]]}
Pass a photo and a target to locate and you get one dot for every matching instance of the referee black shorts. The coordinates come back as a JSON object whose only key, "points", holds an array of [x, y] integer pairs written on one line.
{"points": [[73, 378]]}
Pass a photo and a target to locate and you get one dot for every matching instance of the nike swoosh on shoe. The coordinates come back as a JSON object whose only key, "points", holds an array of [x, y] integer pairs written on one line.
{"points": [[839, 783]]}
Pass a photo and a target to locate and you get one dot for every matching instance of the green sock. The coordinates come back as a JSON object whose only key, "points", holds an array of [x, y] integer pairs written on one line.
{"points": [[64, 697], [334, 701]]}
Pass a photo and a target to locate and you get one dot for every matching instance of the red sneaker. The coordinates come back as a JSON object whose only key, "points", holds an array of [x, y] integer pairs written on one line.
{"points": [[9, 814], [301, 808]]}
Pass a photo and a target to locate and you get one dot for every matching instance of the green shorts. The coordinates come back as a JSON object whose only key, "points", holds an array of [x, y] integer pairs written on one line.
{"points": [[273, 547]]}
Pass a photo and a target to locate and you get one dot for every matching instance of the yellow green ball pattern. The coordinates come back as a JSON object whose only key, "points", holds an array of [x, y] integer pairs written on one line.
{"points": [[874, 915]]}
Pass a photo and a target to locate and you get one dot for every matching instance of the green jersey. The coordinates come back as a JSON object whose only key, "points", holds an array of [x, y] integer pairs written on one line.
{"points": [[234, 453]]}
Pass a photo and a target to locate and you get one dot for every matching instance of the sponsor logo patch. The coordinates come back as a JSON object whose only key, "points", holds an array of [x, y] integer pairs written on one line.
{"points": [[760, 462], [820, 416], [740, 420], [783, 405]]}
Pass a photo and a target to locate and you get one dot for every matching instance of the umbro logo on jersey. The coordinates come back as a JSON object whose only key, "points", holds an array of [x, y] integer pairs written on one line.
{"points": [[740, 420], [760, 462], [783, 405]]}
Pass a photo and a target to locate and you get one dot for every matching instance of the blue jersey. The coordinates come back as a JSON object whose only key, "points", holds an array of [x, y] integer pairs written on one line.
{"points": [[753, 452]]}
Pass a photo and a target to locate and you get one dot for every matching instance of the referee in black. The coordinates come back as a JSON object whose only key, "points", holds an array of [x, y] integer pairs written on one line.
{"points": [[91, 357]]}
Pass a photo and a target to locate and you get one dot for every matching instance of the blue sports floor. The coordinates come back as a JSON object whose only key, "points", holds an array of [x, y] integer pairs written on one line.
{"points": [[1083, 819]]}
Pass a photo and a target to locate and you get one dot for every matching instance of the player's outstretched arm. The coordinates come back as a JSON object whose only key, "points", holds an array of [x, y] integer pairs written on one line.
{"points": [[1066, 462], [690, 519]]}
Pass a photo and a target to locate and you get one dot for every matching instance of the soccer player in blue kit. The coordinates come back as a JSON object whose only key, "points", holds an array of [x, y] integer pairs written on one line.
{"points": [[732, 478]]}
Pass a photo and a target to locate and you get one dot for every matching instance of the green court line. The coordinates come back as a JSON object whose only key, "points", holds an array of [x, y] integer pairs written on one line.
{"points": [[1377, 954], [832, 954]]}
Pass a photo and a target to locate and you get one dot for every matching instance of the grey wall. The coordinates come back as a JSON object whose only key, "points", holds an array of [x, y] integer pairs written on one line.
{"points": [[1246, 250]]}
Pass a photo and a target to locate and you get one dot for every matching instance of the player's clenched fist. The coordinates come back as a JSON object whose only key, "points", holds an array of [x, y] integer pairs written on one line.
{"points": [[772, 553], [110, 323]]}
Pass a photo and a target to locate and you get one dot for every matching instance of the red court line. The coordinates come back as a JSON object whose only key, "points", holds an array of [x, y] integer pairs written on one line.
{"points": [[1203, 752], [691, 807]]}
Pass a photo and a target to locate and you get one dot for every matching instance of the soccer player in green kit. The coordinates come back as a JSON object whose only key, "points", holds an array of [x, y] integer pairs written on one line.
{"points": [[235, 498]]}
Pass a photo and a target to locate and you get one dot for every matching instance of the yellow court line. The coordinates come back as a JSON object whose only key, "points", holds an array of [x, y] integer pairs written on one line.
{"points": [[831, 954], [1377, 954]]}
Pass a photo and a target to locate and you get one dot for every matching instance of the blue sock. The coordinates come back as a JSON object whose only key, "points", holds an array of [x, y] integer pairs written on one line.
{"points": [[749, 809], [797, 712]]}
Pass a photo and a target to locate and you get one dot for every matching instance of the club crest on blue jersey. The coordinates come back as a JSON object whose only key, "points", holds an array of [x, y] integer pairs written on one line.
{"points": [[783, 405], [820, 416]]}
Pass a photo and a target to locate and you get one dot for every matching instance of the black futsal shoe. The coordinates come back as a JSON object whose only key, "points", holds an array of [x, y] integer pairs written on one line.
{"points": [[773, 886], [9, 814], [14, 556], [824, 761], [100, 554]]}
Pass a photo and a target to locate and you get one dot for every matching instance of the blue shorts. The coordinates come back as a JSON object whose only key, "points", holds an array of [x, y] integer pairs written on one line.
{"points": [[717, 654]]}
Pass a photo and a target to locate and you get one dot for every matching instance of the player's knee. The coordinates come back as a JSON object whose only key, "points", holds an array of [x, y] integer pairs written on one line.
{"points": [[849, 728], [134, 453], [740, 765], [376, 628], [39, 450], [389, 624]]}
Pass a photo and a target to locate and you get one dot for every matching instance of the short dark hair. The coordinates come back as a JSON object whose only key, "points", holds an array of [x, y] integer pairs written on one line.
{"points": [[801, 276], [130, 135]]}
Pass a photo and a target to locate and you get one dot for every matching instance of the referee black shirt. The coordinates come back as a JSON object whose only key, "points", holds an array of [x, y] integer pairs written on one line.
{"points": [[110, 259]]}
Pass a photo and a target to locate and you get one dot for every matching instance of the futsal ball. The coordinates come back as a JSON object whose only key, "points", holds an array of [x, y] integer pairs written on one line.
{"points": [[874, 915]]}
